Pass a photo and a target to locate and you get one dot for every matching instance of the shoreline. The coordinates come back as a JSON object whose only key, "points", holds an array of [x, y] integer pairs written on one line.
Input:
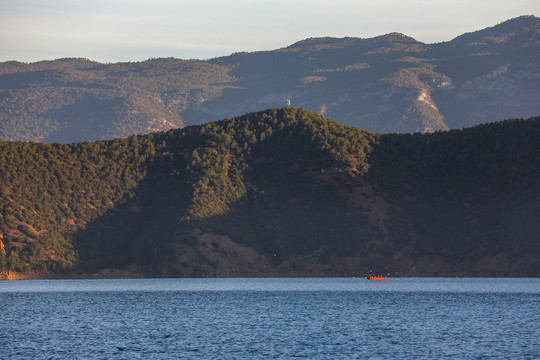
{"points": [[119, 274]]}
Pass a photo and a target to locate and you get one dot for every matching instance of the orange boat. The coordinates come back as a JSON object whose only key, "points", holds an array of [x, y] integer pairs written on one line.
{"points": [[372, 277]]}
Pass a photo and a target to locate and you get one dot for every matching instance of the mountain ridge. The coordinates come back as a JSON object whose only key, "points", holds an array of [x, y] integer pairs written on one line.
{"points": [[389, 83]]}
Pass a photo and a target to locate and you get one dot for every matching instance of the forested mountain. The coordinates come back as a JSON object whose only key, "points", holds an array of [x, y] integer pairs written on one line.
{"points": [[390, 83], [278, 192]]}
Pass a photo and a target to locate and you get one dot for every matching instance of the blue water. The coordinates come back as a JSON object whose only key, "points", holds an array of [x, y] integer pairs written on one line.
{"points": [[400, 318]]}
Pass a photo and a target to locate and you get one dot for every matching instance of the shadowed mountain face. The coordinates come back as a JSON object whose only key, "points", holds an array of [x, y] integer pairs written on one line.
{"points": [[390, 83], [278, 192]]}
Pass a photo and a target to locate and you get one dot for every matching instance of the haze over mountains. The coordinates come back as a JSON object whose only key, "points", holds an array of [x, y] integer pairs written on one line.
{"points": [[390, 83]]}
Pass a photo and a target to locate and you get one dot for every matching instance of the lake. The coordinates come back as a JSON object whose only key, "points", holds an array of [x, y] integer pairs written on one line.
{"points": [[313, 318]]}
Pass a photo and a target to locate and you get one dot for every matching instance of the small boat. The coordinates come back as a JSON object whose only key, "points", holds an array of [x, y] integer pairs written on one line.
{"points": [[373, 277]]}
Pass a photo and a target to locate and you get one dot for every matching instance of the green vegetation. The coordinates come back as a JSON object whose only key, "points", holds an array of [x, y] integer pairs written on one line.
{"points": [[49, 191], [286, 182], [467, 193]]}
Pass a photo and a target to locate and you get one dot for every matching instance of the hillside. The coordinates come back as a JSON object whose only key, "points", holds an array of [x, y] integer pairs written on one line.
{"points": [[280, 192], [390, 83], [70, 100]]}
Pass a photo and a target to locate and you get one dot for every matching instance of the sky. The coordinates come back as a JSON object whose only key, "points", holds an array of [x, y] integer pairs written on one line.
{"points": [[135, 30]]}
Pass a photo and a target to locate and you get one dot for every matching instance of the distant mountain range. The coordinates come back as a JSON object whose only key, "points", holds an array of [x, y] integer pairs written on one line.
{"points": [[282, 192], [390, 83]]}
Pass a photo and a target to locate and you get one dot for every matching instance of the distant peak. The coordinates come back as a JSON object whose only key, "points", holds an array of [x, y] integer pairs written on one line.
{"points": [[520, 21], [520, 24], [395, 36], [524, 18], [314, 41]]}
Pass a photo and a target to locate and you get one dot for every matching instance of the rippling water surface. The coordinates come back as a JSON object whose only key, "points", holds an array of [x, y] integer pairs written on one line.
{"points": [[270, 318]]}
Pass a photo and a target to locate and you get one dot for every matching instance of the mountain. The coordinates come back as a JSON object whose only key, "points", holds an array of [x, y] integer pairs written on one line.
{"points": [[71, 100], [393, 83], [390, 83], [281, 192]]}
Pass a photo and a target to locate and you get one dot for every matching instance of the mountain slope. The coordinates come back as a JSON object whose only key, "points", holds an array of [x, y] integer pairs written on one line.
{"points": [[390, 83], [70, 100], [393, 82], [279, 192]]}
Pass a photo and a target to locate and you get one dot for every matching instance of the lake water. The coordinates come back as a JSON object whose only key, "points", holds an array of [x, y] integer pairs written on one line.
{"points": [[322, 318]]}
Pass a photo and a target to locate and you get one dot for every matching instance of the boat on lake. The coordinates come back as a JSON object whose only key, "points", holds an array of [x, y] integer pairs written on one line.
{"points": [[376, 277]]}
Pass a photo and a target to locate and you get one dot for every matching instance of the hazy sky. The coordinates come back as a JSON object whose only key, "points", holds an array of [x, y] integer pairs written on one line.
{"points": [[124, 30]]}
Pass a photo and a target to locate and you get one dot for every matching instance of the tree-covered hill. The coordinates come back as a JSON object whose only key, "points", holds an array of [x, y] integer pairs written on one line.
{"points": [[278, 192], [389, 83]]}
